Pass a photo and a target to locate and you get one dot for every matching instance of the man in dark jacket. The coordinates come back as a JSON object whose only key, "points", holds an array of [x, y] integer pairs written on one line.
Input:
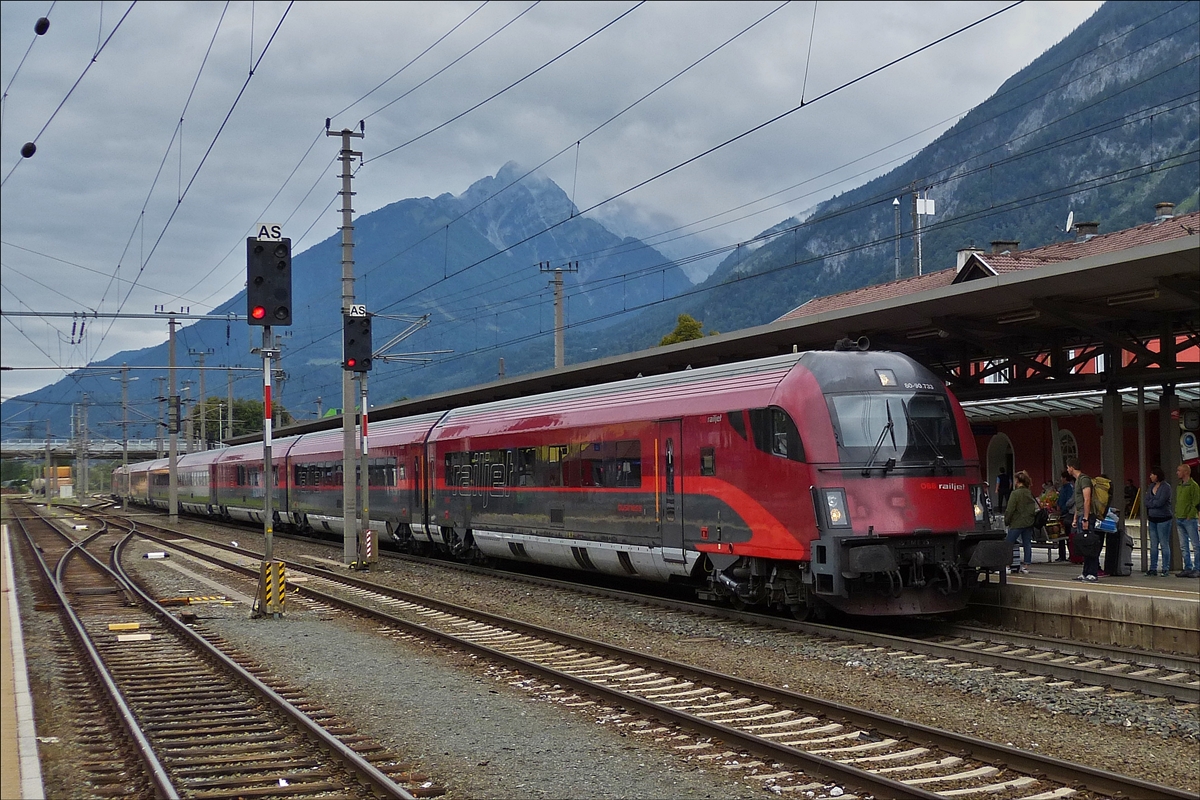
{"points": [[1066, 512]]}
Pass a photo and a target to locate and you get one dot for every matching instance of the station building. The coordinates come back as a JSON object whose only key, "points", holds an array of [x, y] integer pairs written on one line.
{"points": [[1047, 372]]}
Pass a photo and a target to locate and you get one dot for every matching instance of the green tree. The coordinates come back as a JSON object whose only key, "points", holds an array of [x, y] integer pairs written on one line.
{"points": [[247, 417], [687, 328]]}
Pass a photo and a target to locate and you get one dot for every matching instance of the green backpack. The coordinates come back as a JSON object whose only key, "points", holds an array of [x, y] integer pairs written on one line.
{"points": [[1101, 493]]}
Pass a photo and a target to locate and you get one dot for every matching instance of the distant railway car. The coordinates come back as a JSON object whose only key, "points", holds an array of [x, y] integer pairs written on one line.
{"points": [[808, 480], [238, 483]]}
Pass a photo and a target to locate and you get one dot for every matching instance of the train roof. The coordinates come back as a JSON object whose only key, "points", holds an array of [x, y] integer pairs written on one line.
{"points": [[744, 384], [405, 430]]}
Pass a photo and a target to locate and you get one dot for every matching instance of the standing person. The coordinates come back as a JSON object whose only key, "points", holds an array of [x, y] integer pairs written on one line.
{"points": [[1019, 516], [1187, 509], [1159, 508], [1066, 514], [1003, 488], [1089, 540]]}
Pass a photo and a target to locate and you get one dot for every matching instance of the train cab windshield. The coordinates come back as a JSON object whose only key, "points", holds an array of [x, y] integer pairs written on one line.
{"points": [[894, 429]]}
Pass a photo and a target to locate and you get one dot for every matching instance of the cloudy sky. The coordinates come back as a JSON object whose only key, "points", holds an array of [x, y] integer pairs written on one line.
{"points": [[195, 121]]}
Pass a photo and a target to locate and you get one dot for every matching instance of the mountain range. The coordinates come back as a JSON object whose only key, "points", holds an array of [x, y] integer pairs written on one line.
{"points": [[1103, 125]]}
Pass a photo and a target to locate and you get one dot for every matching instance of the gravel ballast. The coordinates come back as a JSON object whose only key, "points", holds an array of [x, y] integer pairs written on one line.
{"points": [[483, 737]]}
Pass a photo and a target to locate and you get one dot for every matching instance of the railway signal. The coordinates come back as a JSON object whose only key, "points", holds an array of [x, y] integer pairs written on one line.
{"points": [[356, 340], [269, 281]]}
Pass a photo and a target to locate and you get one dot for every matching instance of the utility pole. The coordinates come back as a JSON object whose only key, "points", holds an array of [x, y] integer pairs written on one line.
{"points": [[350, 525], [185, 411], [318, 406], [559, 348], [203, 398], [50, 476], [229, 401], [83, 449], [160, 397], [124, 379]]}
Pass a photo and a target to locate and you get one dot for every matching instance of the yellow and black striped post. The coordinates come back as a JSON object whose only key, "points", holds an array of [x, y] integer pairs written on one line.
{"points": [[272, 589], [367, 554]]}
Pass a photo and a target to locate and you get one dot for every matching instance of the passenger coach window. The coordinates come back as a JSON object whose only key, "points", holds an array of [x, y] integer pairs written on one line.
{"points": [[737, 421], [776, 433], [708, 461]]}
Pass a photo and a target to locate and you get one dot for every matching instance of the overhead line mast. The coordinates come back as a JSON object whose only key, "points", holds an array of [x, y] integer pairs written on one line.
{"points": [[349, 518]]}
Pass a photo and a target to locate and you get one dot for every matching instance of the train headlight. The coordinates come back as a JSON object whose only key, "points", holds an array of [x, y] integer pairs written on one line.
{"points": [[834, 509], [981, 503]]}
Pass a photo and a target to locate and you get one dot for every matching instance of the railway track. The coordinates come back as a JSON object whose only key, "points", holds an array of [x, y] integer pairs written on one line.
{"points": [[1060, 664], [201, 722], [793, 738]]}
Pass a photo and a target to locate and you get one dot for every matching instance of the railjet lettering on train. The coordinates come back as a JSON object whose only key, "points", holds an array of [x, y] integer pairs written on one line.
{"points": [[771, 482]]}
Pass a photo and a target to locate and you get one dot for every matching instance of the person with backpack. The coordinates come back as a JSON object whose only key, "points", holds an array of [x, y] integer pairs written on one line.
{"points": [[1090, 541], [1187, 509], [1020, 516], [1159, 510]]}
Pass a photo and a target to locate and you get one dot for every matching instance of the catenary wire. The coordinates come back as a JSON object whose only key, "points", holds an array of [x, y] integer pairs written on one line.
{"points": [[74, 86]]}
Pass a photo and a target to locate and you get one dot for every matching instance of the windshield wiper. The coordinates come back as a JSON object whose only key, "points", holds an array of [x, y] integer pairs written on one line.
{"points": [[890, 427], [939, 460]]}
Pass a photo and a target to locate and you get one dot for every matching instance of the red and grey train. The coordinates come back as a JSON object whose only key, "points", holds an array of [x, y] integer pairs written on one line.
{"points": [[827, 478]]}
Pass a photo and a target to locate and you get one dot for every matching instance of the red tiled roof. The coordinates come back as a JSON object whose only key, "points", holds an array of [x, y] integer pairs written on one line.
{"points": [[1008, 261]]}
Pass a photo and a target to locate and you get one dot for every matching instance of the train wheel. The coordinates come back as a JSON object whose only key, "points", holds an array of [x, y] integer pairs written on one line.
{"points": [[801, 611]]}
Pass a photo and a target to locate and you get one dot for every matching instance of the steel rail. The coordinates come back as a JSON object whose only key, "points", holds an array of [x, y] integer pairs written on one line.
{"points": [[1146, 685], [164, 788], [1153, 687], [368, 774], [1064, 772]]}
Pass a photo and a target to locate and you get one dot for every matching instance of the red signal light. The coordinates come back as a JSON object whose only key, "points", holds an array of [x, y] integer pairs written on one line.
{"points": [[258, 312], [350, 362]]}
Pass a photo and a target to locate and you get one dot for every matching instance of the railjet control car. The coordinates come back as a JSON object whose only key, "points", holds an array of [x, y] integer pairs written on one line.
{"points": [[825, 478]]}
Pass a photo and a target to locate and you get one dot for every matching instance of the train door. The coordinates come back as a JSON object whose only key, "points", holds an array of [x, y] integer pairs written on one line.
{"points": [[669, 488], [416, 501]]}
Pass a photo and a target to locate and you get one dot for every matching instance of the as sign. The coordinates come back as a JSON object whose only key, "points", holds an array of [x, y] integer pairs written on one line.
{"points": [[269, 232]]}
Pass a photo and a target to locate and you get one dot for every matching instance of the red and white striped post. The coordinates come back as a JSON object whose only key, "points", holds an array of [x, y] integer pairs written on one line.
{"points": [[366, 545], [268, 464]]}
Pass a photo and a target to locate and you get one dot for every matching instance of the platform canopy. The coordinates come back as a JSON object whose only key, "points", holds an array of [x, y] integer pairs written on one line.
{"points": [[1069, 404]]}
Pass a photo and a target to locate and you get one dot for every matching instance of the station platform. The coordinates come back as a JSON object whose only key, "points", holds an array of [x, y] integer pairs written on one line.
{"points": [[20, 768], [1136, 610]]}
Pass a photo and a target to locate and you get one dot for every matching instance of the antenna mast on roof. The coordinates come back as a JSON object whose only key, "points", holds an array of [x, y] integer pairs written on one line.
{"points": [[922, 207]]}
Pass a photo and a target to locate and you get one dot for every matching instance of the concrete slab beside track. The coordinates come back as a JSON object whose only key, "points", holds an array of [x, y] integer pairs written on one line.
{"points": [[1150, 613], [20, 770]]}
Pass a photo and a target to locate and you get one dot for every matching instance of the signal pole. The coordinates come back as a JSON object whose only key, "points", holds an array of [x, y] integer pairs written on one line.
{"points": [[349, 523], [559, 347], [173, 431], [269, 299]]}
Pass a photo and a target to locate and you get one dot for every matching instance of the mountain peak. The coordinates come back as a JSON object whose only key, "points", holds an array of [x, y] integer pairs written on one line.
{"points": [[513, 205]]}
